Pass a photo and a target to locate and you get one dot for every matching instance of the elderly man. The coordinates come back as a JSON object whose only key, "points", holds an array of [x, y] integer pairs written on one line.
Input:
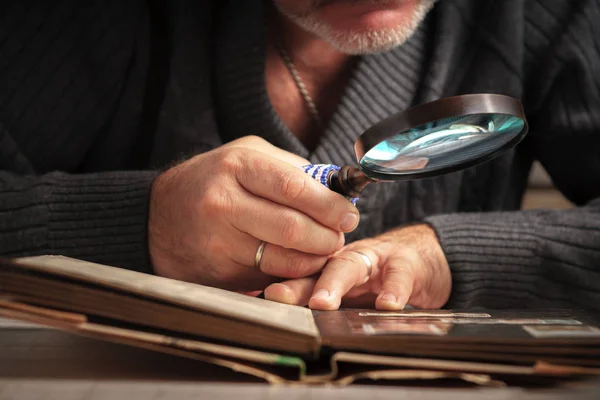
{"points": [[167, 136]]}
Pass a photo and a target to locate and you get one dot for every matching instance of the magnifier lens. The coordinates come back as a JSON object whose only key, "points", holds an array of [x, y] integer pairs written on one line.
{"points": [[441, 144], [432, 139]]}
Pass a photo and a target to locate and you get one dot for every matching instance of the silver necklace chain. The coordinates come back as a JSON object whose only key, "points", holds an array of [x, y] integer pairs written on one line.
{"points": [[301, 86]]}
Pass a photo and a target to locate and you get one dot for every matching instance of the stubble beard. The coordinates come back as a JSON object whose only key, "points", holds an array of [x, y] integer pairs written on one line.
{"points": [[364, 42]]}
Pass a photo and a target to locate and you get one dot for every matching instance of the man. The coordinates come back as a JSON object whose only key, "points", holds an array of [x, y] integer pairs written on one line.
{"points": [[167, 136]]}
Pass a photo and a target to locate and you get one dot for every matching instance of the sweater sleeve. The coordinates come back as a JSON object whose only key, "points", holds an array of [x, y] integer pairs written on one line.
{"points": [[100, 217], [543, 258]]}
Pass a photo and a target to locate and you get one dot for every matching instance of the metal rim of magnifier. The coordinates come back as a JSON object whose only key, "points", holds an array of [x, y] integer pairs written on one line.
{"points": [[448, 107]]}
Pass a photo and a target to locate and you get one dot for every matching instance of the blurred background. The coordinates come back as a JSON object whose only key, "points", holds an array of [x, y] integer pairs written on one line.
{"points": [[541, 192]]}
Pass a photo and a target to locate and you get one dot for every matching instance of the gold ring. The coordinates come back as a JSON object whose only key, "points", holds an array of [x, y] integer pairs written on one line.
{"points": [[259, 254], [368, 263]]}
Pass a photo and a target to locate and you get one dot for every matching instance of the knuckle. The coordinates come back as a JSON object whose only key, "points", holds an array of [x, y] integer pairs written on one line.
{"points": [[291, 228], [254, 139], [398, 273], [231, 159], [297, 267], [258, 162], [291, 186], [252, 165], [407, 260], [216, 202], [332, 208]]}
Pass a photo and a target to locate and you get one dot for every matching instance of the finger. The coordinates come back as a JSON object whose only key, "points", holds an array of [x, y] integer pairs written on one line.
{"points": [[259, 144], [345, 270], [295, 291], [240, 278], [398, 281], [284, 227], [276, 260], [254, 293], [287, 185]]}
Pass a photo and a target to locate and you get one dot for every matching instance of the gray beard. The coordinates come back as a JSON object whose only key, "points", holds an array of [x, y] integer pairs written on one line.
{"points": [[358, 43]]}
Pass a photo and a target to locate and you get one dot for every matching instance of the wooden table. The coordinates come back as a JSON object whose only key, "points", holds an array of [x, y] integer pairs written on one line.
{"points": [[40, 363]]}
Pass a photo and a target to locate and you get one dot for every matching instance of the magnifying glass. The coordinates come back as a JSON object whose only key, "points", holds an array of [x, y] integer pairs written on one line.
{"points": [[432, 139]]}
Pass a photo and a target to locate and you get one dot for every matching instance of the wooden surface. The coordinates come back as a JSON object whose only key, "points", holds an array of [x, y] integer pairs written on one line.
{"points": [[39, 363], [90, 390], [545, 198], [541, 192]]}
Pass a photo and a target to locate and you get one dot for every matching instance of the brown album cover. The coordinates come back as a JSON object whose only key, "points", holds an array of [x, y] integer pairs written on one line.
{"points": [[249, 333]]}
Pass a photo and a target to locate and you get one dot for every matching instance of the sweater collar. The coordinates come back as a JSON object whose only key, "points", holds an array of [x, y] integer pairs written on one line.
{"points": [[381, 85]]}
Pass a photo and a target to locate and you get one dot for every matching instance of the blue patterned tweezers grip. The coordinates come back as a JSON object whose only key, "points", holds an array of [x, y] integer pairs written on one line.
{"points": [[319, 173]]}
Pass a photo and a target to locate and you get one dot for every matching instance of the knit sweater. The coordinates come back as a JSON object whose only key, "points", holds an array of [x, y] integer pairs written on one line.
{"points": [[98, 97]]}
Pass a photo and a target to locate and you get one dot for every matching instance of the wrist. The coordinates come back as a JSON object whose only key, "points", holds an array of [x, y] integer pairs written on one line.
{"points": [[430, 246]]}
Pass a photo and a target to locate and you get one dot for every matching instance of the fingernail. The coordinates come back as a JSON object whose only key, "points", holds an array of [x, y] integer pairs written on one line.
{"points": [[389, 297], [285, 287], [282, 296], [321, 294], [349, 222]]}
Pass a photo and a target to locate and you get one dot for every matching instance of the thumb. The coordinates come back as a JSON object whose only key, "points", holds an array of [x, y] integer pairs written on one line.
{"points": [[397, 285]]}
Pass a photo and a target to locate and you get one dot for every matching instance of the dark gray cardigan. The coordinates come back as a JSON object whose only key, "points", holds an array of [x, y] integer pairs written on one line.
{"points": [[97, 97]]}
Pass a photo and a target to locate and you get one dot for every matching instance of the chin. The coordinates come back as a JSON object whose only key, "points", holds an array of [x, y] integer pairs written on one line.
{"points": [[358, 26]]}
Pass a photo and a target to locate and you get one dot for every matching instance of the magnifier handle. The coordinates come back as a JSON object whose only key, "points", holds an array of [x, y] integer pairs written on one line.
{"points": [[323, 173]]}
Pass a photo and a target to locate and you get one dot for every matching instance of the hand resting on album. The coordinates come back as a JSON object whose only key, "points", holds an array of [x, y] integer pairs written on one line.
{"points": [[400, 267]]}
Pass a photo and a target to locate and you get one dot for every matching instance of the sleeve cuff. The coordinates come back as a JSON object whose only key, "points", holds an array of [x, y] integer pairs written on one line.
{"points": [[493, 257], [101, 217]]}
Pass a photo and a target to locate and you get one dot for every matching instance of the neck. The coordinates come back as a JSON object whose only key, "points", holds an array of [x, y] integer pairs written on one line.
{"points": [[323, 70], [311, 54]]}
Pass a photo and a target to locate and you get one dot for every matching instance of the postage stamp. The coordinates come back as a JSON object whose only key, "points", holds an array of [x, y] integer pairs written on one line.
{"points": [[562, 331], [402, 327]]}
